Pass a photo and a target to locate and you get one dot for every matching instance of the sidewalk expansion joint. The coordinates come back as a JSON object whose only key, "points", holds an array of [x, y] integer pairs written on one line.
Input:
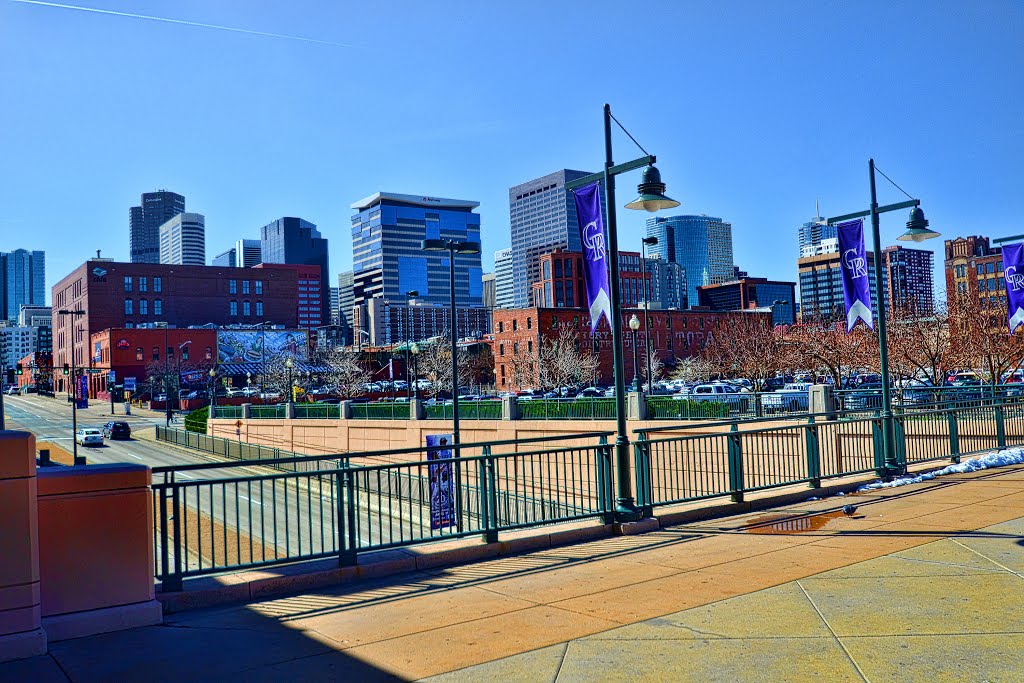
{"points": [[838, 641]]}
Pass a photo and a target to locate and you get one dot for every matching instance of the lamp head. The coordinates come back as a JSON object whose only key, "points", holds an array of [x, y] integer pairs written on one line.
{"points": [[435, 245], [650, 241], [414, 349], [288, 362], [634, 323], [917, 227], [652, 193], [467, 247]]}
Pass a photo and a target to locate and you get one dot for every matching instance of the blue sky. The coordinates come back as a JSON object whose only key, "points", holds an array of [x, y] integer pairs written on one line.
{"points": [[753, 112]]}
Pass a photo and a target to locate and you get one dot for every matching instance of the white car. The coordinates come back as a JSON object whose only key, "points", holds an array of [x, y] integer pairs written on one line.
{"points": [[791, 398], [89, 436], [737, 400]]}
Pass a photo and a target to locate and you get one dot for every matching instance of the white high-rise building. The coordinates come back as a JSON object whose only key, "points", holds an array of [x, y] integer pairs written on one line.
{"points": [[248, 253], [504, 287], [183, 240]]}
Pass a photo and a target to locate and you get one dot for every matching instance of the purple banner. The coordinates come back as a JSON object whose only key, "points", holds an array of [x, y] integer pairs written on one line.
{"points": [[856, 281], [442, 487], [595, 253], [82, 391], [1013, 272]]}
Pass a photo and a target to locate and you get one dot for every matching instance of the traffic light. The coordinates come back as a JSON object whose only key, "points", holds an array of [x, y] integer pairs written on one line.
{"points": [[10, 377], [67, 369], [18, 369]]}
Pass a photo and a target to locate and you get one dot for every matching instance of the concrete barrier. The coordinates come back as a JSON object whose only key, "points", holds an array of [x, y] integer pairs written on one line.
{"points": [[21, 634], [95, 550]]}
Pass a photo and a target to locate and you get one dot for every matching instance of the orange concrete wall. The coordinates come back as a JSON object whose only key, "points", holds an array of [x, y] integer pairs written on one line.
{"points": [[19, 543], [95, 537]]}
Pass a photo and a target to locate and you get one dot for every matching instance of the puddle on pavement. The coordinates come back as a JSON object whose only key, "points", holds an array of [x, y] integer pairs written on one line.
{"points": [[790, 524]]}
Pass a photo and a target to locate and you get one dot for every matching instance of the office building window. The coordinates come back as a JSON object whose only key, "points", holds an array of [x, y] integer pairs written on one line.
{"points": [[259, 286], [140, 355], [233, 308], [245, 286], [259, 309], [127, 306], [245, 308], [157, 284], [143, 306], [232, 286], [158, 307], [143, 283], [127, 283]]}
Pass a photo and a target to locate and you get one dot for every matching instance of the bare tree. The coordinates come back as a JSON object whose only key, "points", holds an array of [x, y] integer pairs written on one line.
{"points": [[342, 369], [435, 363], [565, 361], [980, 340], [694, 369], [525, 365], [920, 343], [745, 344], [657, 366], [826, 348]]}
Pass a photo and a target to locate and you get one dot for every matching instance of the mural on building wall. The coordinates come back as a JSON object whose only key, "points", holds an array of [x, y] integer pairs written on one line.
{"points": [[252, 346]]}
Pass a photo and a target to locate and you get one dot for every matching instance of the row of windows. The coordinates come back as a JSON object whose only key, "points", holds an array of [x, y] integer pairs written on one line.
{"points": [[246, 308], [140, 353], [143, 284], [233, 286], [129, 306]]}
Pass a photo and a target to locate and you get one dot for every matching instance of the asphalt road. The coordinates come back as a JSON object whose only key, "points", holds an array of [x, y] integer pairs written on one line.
{"points": [[238, 521]]}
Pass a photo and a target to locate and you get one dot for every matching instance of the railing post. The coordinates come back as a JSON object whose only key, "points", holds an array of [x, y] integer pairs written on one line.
{"points": [[348, 537], [735, 464], [954, 437], [172, 582], [878, 449], [900, 439], [1000, 427], [758, 407], [605, 485], [813, 454], [642, 458], [488, 496]]}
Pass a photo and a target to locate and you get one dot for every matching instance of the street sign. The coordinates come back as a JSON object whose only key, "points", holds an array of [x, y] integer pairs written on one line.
{"points": [[129, 384], [238, 424], [112, 376]]}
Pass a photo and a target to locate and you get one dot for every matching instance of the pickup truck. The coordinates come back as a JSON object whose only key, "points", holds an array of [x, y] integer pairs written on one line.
{"points": [[737, 400], [791, 398]]}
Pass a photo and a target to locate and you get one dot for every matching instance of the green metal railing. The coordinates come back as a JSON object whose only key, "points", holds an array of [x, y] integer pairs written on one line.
{"points": [[568, 409], [211, 518], [666, 407], [272, 412], [468, 410], [381, 411], [314, 411], [227, 412]]}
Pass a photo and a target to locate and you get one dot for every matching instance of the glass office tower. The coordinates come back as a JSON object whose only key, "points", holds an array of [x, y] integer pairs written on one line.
{"points": [[702, 245]]}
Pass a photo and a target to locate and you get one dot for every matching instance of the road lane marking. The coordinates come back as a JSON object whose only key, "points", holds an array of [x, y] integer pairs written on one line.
{"points": [[250, 500]]}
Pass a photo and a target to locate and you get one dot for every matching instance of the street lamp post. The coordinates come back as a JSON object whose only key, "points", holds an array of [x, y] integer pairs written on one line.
{"points": [[213, 391], [917, 231], [74, 387], [652, 198], [634, 325], [415, 350], [289, 363], [644, 243], [453, 247], [409, 296]]}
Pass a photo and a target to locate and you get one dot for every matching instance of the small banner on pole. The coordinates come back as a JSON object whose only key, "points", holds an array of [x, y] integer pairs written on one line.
{"points": [[82, 399], [1013, 273], [856, 282], [595, 253], [442, 487]]}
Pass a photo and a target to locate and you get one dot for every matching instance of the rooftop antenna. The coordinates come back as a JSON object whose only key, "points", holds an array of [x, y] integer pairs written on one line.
{"points": [[817, 210], [97, 254]]}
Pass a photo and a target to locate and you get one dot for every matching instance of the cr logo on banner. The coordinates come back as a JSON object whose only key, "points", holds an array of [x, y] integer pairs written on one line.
{"points": [[593, 239], [857, 265], [1014, 279]]}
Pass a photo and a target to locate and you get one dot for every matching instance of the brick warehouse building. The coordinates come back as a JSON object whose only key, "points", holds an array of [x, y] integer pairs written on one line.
{"points": [[674, 335], [131, 352], [143, 295]]}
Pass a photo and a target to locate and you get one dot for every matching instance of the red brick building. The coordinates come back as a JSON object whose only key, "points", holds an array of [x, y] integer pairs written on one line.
{"points": [[116, 295], [975, 268], [561, 281], [674, 335], [131, 352], [37, 369], [308, 294]]}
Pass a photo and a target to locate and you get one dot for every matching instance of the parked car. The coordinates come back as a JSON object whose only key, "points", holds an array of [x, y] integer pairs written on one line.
{"points": [[737, 400], [117, 430], [591, 392], [774, 383], [867, 396], [89, 436], [12, 391], [790, 398], [329, 401]]}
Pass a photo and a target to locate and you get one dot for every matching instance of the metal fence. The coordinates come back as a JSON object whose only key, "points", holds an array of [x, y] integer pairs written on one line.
{"points": [[381, 411], [217, 517], [568, 409], [314, 411], [468, 410], [228, 412]]}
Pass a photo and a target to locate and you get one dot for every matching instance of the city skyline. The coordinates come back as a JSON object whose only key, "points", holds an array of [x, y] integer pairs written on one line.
{"points": [[747, 158]]}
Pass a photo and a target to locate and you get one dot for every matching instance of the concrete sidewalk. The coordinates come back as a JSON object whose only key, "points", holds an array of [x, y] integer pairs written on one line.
{"points": [[922, 582]]}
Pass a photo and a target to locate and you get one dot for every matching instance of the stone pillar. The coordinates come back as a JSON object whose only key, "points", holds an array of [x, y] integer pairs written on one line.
{"points": [[417, 411], [345, 412], [21, 634], [246, 411], [213, 411], [509, 408], [289, 410], [821, 400], [636, 405]]}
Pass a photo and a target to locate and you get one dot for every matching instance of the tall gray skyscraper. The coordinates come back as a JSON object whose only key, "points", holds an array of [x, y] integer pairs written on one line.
{"points": [[816, 236], [183, 240], [248, 253], [144, 223], [504, 288], [22, 281], [543, 218], [296, 241], [346, 300], [702, 245]]}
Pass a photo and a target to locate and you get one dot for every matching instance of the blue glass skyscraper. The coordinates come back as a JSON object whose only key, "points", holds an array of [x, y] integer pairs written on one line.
{"points": [[702, 245], [22, 281], [387, 260]]}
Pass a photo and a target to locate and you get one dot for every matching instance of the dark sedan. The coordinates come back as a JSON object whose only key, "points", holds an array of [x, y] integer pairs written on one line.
{"points": [[117, 430]]}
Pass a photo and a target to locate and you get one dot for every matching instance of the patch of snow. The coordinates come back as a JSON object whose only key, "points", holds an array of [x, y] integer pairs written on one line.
{"points": [[1003, 458]]}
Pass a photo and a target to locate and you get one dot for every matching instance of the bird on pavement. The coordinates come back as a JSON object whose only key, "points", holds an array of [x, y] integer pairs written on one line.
{"points": [[849, 509]]}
